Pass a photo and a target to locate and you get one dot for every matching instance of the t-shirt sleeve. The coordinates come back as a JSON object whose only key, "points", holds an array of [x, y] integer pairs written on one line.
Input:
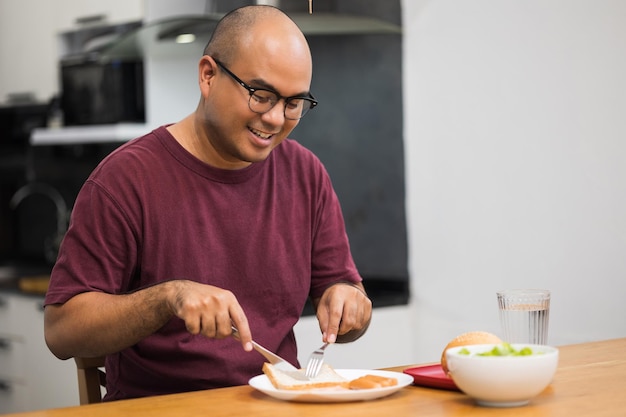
{"points": [[99, 248]]}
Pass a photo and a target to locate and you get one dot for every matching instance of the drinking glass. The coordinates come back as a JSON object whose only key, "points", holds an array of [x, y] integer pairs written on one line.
{"points": [[524, 315]]}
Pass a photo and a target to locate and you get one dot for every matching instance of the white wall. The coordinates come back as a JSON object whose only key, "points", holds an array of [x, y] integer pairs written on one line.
{"points": [[515, 158], [27, 50]]}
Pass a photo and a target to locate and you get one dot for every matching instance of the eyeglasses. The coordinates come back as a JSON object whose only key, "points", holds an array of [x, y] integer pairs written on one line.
{"points": [[263, 100]]}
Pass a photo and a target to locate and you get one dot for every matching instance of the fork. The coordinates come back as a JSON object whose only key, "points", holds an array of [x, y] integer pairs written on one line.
{"points": [[316, 360]]}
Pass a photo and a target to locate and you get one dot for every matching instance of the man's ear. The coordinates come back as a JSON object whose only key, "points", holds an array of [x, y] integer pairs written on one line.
{"points": [[206, 72]]}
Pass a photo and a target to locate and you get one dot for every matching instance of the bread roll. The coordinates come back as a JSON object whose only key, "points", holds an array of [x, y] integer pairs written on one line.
{"points": [[466, 339]]}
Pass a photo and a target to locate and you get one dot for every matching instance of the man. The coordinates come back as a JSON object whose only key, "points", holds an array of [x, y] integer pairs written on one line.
{"points": [[214, 221]]}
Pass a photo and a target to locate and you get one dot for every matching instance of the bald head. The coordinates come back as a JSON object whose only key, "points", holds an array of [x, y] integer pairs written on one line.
{"points": [[254, 27]]}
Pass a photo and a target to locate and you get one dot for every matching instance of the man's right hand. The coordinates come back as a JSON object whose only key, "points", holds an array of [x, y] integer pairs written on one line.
{"points": [[209, 311]]}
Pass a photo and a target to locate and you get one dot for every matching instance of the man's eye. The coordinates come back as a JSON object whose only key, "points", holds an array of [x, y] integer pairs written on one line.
{"points": [[294, 103], [264, 97]]}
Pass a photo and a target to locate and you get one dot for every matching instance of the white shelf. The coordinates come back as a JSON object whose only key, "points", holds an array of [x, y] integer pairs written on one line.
{"points": [[75, 135]]}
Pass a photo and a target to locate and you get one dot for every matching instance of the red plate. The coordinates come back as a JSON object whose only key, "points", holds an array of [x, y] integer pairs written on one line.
{"points": [[431, 376]]}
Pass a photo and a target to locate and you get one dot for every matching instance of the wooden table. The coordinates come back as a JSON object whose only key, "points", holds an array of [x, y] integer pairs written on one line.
{"points": [[590, 381]]}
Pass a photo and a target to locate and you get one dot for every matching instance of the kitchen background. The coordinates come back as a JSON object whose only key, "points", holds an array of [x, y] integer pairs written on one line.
{"points": [[499, 132]]}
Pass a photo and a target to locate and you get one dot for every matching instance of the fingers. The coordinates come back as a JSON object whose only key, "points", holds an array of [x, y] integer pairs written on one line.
{"points": [[330, 321], [240, 322], [210, 311]]}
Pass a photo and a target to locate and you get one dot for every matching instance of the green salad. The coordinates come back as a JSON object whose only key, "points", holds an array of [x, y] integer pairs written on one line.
{"points": [[504, 349]]}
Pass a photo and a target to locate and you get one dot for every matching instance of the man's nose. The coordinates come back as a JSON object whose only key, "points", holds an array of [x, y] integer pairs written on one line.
{"points": [[277, 113]]}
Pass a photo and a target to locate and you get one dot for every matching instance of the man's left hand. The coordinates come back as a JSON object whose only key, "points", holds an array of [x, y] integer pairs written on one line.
{"points": [[344, 312]]}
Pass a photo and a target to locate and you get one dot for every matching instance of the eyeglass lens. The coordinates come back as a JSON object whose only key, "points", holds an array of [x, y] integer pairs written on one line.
{"points": [[262, 101]]}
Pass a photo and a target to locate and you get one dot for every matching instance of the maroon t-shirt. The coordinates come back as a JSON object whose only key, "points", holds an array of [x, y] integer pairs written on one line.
{"points": [[271, 233]]}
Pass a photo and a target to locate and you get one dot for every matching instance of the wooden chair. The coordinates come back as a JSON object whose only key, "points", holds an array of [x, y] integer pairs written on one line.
{"points": [[91, 379]]}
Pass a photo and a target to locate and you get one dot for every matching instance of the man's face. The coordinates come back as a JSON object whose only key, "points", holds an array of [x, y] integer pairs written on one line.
{"points": [[238, 135]]}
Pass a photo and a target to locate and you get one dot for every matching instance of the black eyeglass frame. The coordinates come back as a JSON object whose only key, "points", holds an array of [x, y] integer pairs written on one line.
{"points": [[251, 90]]}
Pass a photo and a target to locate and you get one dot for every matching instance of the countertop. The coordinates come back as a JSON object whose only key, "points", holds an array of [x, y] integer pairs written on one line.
{"points": [[25, 279], [34, 281]]}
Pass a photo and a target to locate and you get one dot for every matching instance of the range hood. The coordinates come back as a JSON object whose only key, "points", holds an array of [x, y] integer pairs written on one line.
{"points": [[159, 38]]}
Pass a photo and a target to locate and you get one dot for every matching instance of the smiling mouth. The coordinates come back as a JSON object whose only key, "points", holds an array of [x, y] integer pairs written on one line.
{"points": [[260, 134]]}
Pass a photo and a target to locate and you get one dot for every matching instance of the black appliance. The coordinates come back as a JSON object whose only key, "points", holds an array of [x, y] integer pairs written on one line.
{"points": [[17, 121], [94, 92]]}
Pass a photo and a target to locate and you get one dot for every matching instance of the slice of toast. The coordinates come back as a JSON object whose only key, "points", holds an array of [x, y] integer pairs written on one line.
{"points": [[327, 378]]}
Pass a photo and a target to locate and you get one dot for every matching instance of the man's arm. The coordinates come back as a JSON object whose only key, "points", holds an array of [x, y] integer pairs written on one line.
{"points": [[96, 324]]}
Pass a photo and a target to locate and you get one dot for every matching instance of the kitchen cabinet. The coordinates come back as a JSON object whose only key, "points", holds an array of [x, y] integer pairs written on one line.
{"points": [[31, 378]]}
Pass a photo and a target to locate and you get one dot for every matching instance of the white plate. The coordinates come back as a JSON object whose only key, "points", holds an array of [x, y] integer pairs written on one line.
{"points": [[334, 395]]}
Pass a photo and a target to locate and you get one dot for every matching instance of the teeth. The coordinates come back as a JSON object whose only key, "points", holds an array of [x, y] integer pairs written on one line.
{"points": [[261, 134]]}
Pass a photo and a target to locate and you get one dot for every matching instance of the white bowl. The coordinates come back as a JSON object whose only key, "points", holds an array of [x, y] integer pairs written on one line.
{"points": [[502, 381]]}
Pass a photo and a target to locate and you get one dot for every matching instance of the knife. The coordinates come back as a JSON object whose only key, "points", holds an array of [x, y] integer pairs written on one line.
{"points": [[278, 362]]}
